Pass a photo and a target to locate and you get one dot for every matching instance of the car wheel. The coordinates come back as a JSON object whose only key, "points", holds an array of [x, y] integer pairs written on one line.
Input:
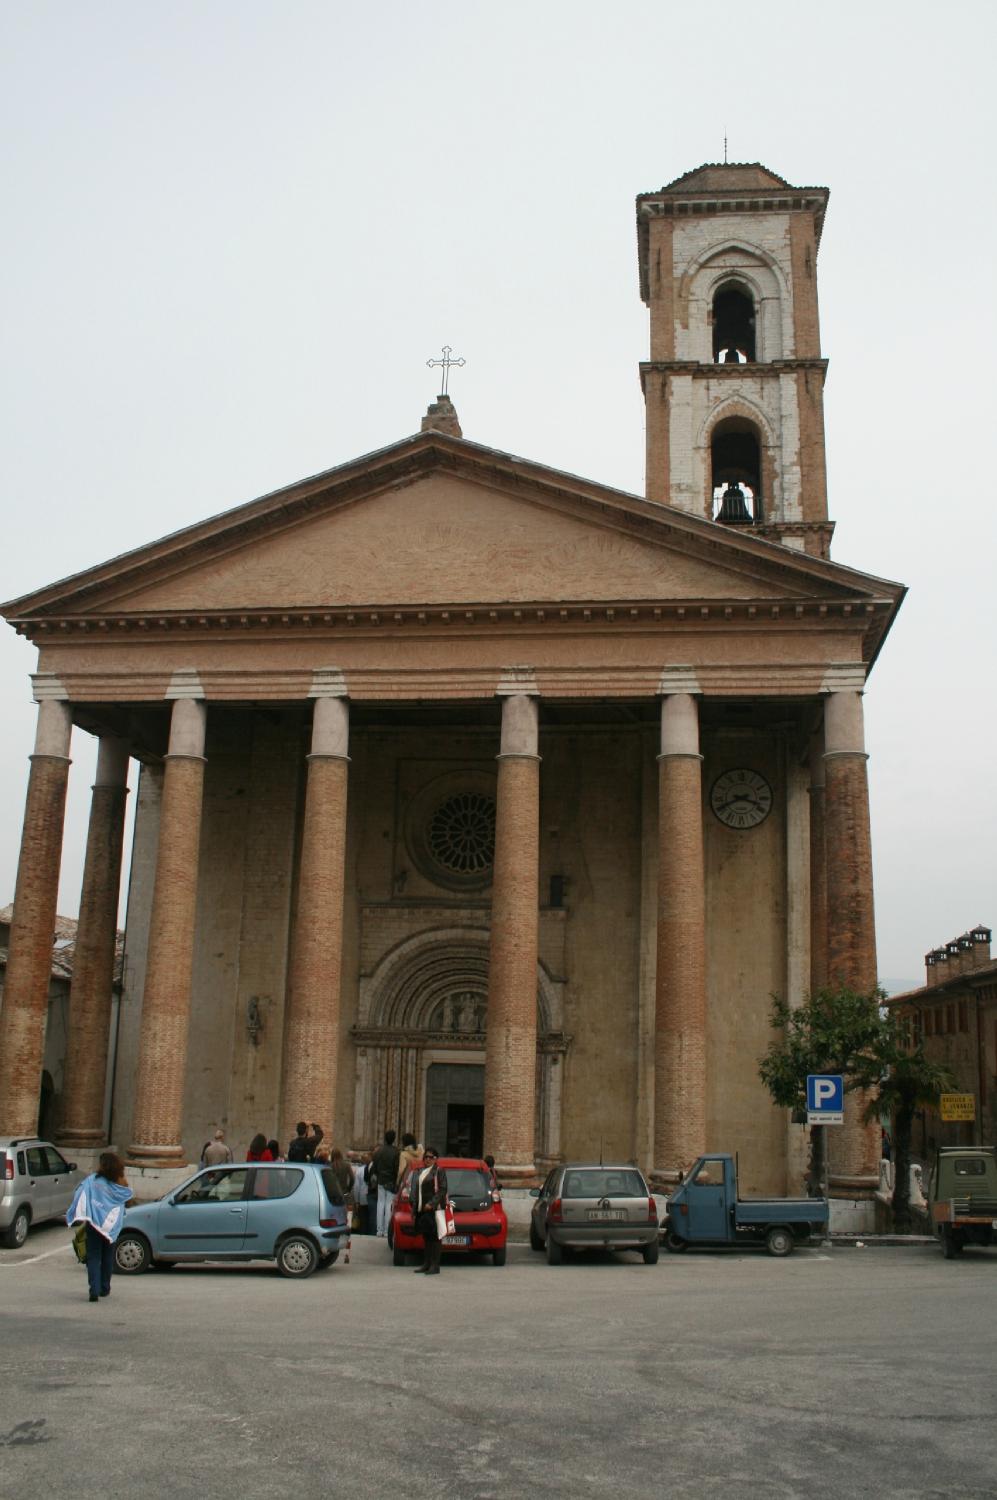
{"points": [[498, 1257], [675, 1243], [536, 1243], [951, 1247], [779, 1242], [15, 1236], [297, 1256], [132, 1255], [398, 1257], [555, 1252], [650, 1253], [391, 1236]]}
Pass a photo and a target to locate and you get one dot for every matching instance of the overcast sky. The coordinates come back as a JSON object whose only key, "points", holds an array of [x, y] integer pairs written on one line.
{"points": [[235, 232]]}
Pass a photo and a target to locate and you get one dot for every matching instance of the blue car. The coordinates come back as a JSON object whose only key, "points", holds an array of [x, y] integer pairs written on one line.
{"points": [[292, 1213]]}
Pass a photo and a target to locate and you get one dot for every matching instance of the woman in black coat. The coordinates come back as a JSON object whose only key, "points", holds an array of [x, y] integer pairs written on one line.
{"points": [[429, 1192]]}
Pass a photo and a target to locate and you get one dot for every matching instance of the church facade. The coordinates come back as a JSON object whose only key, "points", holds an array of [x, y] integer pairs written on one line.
{"points": [[476, 798]]}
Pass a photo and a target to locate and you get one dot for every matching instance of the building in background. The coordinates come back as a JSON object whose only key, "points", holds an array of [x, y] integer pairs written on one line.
{"points": [[478, 798], [954, 1014]]}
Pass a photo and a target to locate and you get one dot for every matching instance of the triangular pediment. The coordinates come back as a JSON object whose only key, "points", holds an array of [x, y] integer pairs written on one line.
{"points": [[437, 521]]}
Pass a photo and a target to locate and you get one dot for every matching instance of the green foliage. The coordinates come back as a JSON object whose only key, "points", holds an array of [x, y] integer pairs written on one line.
{"points": [[833, 1031]]}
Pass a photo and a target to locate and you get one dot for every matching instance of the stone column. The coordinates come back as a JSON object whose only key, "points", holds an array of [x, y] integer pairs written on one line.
{"points": [[851, 928], [29, 955], [162, 1064], [511, 1034], [93, 960], [311, 1029], [818, 867], [680, 987]]}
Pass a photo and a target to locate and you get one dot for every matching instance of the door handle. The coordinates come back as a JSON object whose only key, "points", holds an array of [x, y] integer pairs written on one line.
{"points": [[235, 1210]]}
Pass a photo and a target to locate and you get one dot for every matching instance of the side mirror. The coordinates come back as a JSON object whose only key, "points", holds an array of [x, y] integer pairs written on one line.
{"points": [[534, 1192], [681, 1176], [72, 1166]]}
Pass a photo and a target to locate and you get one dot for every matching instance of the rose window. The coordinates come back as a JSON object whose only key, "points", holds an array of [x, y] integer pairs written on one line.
{"points": [[461, 834]]}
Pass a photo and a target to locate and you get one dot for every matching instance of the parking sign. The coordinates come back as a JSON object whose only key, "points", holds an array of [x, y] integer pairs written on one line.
{"points": [[825, 1099]]}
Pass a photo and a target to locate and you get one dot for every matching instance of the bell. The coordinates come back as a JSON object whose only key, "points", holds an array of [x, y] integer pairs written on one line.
{"points": [[733, 509]]}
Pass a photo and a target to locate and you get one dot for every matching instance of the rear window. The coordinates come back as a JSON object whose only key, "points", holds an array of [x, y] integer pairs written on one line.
{"points": [[969, 1166], [276, 1182], [333, 1190], [596, 1182]]}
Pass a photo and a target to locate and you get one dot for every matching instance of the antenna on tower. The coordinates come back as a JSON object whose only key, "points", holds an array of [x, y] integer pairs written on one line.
{"points": [[725, 147]]}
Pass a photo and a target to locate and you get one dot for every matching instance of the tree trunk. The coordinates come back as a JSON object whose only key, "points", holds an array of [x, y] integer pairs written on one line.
{"points": [[903, 1124], [816, 1172]]}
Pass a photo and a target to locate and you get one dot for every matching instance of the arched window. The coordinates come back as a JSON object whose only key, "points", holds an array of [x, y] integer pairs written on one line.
{"points": [[736, 458], [733, 324]]}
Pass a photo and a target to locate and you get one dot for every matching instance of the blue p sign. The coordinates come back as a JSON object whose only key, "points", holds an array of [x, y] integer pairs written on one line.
{"points": [[825, 1093]]}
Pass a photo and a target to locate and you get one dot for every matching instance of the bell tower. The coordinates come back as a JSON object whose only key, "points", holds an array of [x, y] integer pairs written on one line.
{"points": [[734, 387]]}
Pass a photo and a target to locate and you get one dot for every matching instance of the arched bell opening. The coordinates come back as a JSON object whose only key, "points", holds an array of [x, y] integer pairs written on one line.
{"points": [[733, 324], [735, 453]]}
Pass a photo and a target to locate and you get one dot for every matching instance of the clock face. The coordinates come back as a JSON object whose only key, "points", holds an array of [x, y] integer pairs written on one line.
{"points": [[741, 799]]}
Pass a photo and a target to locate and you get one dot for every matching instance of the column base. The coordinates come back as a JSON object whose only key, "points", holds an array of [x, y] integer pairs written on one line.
{"points": [[81, 1140], [858, 1185], [520, 1175], [665, 1179], [155, 1156]]}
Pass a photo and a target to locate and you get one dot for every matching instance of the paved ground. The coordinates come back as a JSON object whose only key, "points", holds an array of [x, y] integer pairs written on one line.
{"points": [[846, 1373]]}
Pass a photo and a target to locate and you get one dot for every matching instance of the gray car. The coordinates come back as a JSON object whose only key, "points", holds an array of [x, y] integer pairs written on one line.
{"points": [[37, 1183], [289, 1212], [583, 1206]]}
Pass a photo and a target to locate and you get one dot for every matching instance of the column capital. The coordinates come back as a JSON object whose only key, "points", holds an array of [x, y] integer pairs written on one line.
{"points": [[516, 681], [678, 679], [844, 677], [328, 682], [47, 685], [185, 683]]}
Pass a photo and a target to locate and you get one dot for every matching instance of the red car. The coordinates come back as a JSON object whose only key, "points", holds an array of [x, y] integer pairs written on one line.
{"points": [[479, 1218]]}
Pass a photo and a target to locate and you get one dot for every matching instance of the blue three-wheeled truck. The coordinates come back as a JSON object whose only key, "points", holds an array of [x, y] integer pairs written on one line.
{"points": [[705, 1210]]}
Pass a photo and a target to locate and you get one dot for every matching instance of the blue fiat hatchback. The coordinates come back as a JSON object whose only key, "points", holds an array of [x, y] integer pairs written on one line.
{"points": [[289, 1212]]}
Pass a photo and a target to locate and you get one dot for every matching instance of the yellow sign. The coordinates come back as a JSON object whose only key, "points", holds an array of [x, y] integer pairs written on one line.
{"points": [[958, 1107]]}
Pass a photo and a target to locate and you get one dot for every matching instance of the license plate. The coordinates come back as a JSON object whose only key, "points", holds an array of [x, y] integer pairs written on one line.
{"points": [[456, 1239], [606, 1216]]}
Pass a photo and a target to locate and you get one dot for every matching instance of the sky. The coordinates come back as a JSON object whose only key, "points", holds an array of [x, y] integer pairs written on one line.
{"points": [[235, 232]]}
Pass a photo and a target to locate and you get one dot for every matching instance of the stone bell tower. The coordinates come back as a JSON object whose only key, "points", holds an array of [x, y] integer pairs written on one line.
{"points": [[734, 387]]}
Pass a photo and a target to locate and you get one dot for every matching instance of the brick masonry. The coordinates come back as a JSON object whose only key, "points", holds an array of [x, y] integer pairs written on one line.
{"points": [[510, 1056], [680, 1047], [157, 1126], [93, 971], [311, 1044], [29, 959]]}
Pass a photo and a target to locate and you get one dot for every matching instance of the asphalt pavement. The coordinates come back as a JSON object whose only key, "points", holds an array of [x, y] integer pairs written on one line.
{"points": [[831, 1373]]}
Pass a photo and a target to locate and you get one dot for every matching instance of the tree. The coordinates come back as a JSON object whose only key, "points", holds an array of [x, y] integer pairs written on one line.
{"points": [[847, 1032], [835, 1030], [910, 1080]]}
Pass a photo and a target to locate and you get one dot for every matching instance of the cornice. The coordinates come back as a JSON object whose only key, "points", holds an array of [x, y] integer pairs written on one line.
{"points": [[617, 614], [708, 370]]}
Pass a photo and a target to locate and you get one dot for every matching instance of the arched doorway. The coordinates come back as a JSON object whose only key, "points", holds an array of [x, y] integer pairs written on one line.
{"points": [[420, 1046]]}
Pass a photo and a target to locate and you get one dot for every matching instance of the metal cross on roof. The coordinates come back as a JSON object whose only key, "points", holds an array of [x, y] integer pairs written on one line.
{"points": [[446, 362]]}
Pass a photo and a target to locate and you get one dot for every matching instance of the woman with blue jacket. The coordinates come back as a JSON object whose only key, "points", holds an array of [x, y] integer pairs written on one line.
{"points": [[99, 1202]]}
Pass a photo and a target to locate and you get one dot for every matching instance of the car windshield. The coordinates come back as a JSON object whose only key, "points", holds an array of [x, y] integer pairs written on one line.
{"points": [[600, 1182], [969, 1166], [467, 1182]]}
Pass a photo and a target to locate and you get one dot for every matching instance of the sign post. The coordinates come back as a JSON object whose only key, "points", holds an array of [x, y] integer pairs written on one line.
{"points": [[825, 1106]]}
